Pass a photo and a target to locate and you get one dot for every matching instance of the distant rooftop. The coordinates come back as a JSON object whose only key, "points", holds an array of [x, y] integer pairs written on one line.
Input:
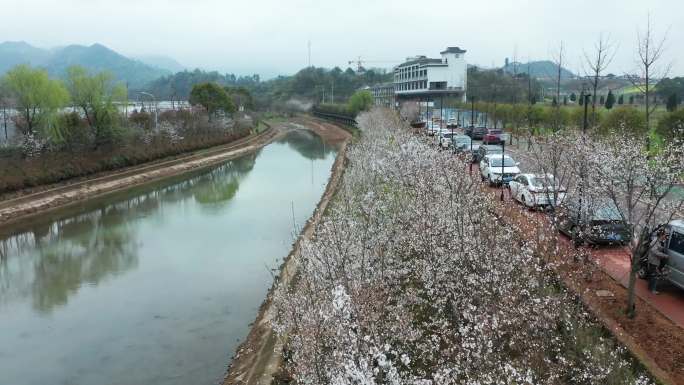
{"points": [[453, 50], [419, 60]]}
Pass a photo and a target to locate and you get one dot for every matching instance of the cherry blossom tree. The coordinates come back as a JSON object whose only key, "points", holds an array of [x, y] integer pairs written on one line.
{"points": [[414, 277], [639, 184]]}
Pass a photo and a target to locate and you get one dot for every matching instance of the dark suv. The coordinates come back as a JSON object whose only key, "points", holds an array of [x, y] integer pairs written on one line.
{"points": [[598, 222], [486, 149], [475, 132]]}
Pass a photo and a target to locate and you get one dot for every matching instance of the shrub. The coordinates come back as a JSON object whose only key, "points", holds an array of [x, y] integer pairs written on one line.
{"points": [[623, 118]]}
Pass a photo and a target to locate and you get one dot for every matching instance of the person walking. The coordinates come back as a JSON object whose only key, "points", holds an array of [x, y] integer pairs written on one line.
{"points": [[656, 258]]}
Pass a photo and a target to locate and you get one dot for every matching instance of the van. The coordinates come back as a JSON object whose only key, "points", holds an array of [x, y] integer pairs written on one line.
{"points": [[675, 252]]}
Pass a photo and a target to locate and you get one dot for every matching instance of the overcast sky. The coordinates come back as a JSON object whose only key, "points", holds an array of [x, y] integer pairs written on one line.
{"points": [[270, 37]]}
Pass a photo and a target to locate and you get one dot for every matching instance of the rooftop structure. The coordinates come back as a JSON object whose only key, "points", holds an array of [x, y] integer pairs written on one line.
{"points": [[422, 77]]}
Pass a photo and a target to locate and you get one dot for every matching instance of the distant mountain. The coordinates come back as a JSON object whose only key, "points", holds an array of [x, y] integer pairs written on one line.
{"points": [[18, 52], [95, 58], [163, 62], [543, 69]]}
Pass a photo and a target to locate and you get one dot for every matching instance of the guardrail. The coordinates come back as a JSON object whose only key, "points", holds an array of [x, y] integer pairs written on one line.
{"points": [[338, 118]]}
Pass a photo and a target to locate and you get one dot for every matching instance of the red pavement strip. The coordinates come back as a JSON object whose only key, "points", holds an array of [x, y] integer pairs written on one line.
{"points": [[615, 262]]}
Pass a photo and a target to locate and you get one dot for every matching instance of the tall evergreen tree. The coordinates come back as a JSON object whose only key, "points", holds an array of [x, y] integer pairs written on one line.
{"points": [[610, 100], [672, 102], [581, 99], [573, 97], [621, 100]]}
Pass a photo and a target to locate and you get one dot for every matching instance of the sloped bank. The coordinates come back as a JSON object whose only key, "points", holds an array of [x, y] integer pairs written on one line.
{"points": [[13, 210], [258, 358]]}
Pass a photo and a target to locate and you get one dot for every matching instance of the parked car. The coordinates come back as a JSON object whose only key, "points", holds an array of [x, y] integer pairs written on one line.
{"points": [[492, 136], [452, 123], [445, 139], [675, 252], [498, 168], [418, 124], [474, 152], [537, 190], [476, 132], [674, 248], [487, 149], [595, 221], [461, 142], [432, 128]]}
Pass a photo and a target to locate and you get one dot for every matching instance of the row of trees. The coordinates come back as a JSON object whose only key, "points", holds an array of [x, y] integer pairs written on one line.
{"points": [[650, 50], [537, 118], [615, 171], [179, 85], [42, 102], [317, 85], [411, 278], [57, 111]]}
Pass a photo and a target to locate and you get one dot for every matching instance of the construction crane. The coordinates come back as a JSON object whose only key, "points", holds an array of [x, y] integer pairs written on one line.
{"points": [[360, 62]]}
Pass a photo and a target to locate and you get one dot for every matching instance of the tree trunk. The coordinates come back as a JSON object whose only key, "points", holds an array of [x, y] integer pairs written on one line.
{"points": [[631, 297], [4, 120]]}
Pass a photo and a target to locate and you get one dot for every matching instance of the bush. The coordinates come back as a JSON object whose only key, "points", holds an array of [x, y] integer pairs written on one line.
{"points": [[672, 125], [360, 101], [628, 119], [32, 165]]}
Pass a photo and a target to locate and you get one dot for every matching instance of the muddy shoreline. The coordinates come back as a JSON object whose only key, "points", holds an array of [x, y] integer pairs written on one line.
{"points": [[258, 359], [35, 204]]}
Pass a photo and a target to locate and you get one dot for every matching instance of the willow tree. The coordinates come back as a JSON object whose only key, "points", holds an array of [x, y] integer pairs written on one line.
{"points": [[37, 97], [96, 95]]}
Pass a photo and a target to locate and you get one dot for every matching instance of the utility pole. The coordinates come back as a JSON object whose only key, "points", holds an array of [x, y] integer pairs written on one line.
{"points": [[586, 110], [309, 48], [503, 153], [472, 125], [4, 119], [441, 110]]}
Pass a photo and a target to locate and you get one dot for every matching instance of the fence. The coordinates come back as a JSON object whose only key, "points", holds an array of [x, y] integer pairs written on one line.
{"points": [[347, 120]]}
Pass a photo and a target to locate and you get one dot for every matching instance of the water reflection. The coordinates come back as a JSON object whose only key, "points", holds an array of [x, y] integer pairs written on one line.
{"points": [[305, 143], [154, 285], [87, 248]]}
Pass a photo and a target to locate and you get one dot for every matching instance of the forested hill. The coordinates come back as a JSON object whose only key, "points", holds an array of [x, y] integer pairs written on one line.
{"points": [[310, 84], [538, 69], [95, 58]]}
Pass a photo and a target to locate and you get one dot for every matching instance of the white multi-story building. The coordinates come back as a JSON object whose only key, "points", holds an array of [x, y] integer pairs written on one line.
{"points": [[423, 77]]}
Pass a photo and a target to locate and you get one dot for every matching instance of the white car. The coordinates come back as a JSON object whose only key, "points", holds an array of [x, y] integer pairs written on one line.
{"points": [[535, 190], [498, 168], [432, 128], [446, 138]]}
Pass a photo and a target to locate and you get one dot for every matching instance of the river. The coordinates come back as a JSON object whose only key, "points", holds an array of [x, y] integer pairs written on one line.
{"points": [[157, 285]]}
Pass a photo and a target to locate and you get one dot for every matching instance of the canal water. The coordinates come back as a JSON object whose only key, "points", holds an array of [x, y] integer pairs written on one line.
{"points": [[156, 285]]}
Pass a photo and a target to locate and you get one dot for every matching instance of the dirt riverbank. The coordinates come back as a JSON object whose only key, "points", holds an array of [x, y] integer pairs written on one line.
{"points": [[258, 358], [36, 203]]}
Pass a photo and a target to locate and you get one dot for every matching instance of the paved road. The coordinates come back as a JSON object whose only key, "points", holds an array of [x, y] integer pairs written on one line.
{"points": [[521, 154], [615, 261]]}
